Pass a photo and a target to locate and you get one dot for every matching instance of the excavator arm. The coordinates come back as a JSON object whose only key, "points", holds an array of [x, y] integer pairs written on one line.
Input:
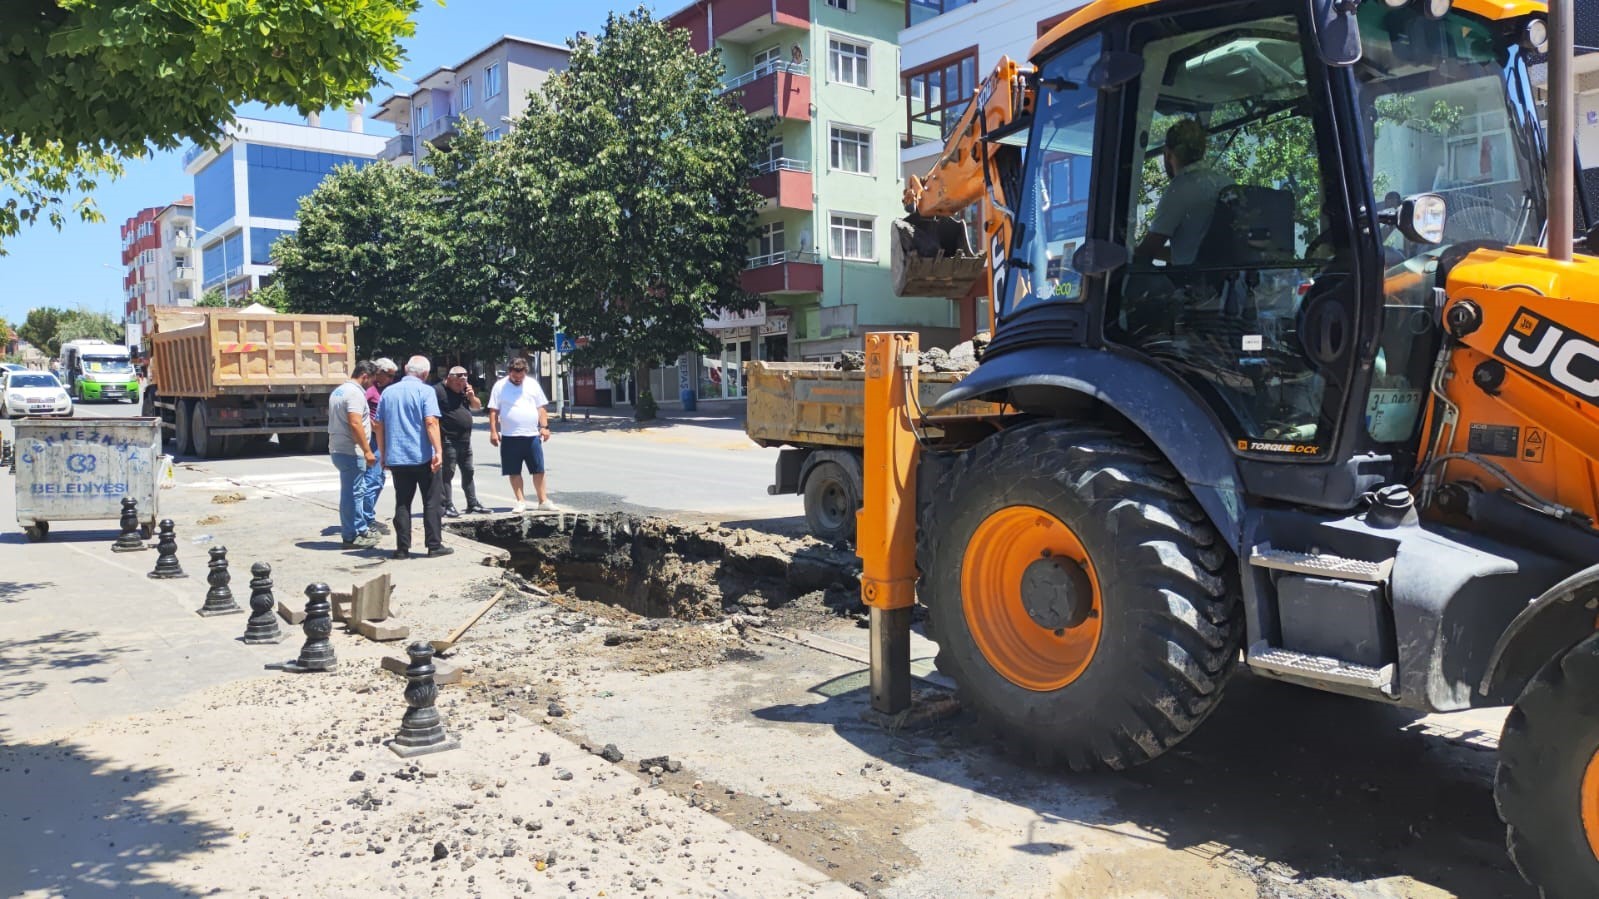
{"points": [[931, 253]]}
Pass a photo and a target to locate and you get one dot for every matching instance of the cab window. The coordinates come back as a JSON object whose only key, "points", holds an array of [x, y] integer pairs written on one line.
{"points": [[1052, 217], [1232, 240]]}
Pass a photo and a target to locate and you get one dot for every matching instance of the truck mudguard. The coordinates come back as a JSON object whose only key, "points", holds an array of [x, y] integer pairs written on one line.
{"points": [[1150, 398]]}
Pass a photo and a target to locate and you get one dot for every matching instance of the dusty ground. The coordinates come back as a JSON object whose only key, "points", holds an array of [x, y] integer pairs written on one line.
{"points": [[722, 752]]}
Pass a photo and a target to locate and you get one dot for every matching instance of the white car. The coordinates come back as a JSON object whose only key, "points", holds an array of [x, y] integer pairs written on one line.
{"points": [[24, 393]]}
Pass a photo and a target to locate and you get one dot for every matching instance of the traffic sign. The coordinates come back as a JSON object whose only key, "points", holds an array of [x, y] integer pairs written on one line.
{"points": [[564, 344]]}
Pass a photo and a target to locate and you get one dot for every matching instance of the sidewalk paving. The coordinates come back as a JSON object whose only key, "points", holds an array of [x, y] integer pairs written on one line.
{"points": [[145, 751]]}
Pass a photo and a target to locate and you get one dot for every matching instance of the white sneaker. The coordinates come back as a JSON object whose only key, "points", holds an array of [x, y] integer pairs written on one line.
{"points": [[518, 508], [547, 506]]}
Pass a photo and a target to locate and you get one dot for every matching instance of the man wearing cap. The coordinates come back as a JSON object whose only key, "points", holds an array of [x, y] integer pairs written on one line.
{"points": [[519, 424], [457, 402]]}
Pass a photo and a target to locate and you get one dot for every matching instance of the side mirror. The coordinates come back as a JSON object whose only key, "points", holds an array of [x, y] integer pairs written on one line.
{"points": [[1420, 218], [1337, 31], [1099, 257]]}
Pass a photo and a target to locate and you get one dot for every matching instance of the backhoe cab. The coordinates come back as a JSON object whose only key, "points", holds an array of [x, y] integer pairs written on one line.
{"points": [[1288, 381]]}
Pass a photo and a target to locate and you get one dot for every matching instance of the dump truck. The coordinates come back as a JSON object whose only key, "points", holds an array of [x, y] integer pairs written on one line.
{"points": [[220, 377], [1305, 380], [814, 411]]}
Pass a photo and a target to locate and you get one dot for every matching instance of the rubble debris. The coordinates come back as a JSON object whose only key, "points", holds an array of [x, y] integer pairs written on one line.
{"points": [[610, 753], [224, 499], [665, 763]]}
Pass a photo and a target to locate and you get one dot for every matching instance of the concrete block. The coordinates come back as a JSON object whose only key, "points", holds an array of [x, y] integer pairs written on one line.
{"points": [[380, 631], [444, 673], [292, 616]]}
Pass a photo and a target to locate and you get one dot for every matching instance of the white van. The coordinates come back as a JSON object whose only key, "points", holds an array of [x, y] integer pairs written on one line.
{"points": [[96, 370]]}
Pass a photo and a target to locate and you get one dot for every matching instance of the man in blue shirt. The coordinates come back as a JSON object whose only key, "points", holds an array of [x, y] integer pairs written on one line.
{"points": [[407, 430]]}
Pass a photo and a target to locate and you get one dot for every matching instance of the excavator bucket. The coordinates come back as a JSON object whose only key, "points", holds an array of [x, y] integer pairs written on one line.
{"points": [[933, 258]]}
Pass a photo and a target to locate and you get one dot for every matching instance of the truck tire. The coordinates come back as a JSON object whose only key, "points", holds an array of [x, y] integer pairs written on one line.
{"points": [[1547, 783], [147, 408], [182, 443], [207, 444], [832, 496], [1082, 602]]}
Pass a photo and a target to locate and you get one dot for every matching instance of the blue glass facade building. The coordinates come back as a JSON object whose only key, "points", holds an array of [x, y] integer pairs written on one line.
{"points": [[248, 192]]}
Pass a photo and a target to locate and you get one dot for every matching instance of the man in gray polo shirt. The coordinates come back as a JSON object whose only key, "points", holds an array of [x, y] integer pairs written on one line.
{"points": [[350, 446], [1186, 207]]}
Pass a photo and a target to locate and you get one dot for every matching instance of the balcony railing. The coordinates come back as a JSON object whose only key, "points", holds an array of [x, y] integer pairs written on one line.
{"points": [[182, 243], [782, 164], [182, 273], [780, 257], [761, 71], [397, 146], [437, 128]]}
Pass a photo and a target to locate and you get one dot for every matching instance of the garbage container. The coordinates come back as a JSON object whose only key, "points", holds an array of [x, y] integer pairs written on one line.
{"points": [[80, 471], [691, 400]]}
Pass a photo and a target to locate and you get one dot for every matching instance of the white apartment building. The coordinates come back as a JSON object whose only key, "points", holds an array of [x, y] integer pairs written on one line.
{"points": [[247, 191], [160, 265], [491, 86]]}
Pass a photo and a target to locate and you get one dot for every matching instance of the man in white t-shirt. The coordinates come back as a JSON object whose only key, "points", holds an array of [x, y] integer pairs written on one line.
{"points": [[519, 424]]}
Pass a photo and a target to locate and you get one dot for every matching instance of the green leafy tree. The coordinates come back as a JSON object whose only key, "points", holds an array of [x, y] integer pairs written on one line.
{"points": [[213, 299], [475, 289], [85, 83], [41, 328], [368, 242], [631, 214], [82, 324]]}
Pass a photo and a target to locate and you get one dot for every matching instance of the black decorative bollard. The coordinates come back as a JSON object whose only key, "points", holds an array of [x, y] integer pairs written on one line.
{"points": [[263, 624], [166, 547], [219, 599], [317, 652], [421, 730], [128, 541]]}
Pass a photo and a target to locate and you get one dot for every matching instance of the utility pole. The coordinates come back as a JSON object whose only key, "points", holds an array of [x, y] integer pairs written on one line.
{"points": [[555, 372]]}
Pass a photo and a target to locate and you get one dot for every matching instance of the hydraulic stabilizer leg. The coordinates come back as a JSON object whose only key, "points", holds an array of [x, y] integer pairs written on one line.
{"points": [[886, 524]]}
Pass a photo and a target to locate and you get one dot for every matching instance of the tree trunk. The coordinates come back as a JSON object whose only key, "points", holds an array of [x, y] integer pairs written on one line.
{"points": [[644, 407]]}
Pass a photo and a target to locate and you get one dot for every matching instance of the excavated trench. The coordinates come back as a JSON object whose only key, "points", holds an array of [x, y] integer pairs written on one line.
{"points": [[663, 569]]}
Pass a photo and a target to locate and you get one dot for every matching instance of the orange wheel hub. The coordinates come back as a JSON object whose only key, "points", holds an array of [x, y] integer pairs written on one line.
{"points": [[1590, 803], [1031, 598]]}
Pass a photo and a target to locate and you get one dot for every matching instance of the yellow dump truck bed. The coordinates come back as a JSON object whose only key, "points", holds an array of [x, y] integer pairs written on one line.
{"points": [[211, 352], [814, 404]]}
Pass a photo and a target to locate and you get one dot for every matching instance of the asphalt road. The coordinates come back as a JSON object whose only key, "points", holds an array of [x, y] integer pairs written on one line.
{"points": [[700, 467]]}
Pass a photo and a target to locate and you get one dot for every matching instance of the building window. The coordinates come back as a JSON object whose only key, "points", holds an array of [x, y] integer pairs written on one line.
{"points": [[937, 94], [279, 176], [849, 63], [466, 93], [851, 150], [493, 134], [852, 237], [845, 5], [491, 81], [1052, 21], [766, 61], [766, 158], [424, 115], [917, 11], [770, 242]]}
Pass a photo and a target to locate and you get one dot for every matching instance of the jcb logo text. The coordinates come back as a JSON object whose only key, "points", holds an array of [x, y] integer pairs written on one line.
{"points": [[1554, 353]]}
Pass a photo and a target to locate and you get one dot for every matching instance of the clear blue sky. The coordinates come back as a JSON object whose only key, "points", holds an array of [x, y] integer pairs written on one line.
{"points": [[82, 263]]}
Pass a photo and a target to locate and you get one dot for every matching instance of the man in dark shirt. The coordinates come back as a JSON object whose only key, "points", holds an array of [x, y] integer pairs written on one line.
{"points": [[457, 402]]}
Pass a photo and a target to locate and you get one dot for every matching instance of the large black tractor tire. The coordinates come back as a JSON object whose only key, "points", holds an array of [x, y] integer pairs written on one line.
{"points": [[832, 497], [1547, 783], [182, 418], [1129, 624]]}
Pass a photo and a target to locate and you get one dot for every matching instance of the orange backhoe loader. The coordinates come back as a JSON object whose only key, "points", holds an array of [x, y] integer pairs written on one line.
{"points": [[1298, 371]]}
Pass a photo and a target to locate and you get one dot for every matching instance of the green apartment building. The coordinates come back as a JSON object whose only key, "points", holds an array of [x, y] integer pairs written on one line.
{"points": [[825, 73]]}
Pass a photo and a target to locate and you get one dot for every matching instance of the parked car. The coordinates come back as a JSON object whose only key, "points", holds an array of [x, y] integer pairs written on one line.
{"points": [[26, 393], [11, 366]]}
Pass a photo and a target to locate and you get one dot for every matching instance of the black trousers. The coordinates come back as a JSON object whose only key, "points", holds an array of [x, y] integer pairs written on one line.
{"points": [[408, 480], [458, 454]]}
